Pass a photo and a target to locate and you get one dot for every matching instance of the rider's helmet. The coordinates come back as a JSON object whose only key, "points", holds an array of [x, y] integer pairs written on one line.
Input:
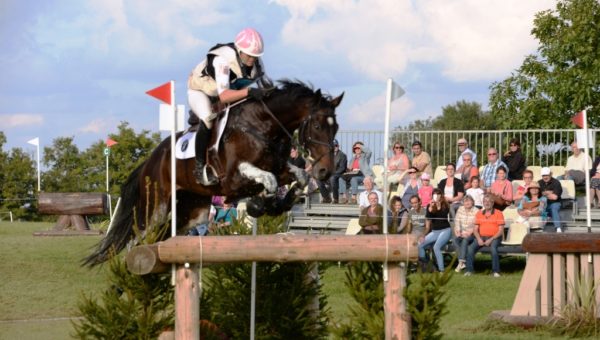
{"points": [[250, 42]]}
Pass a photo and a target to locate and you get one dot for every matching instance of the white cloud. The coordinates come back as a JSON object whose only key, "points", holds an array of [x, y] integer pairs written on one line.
{"points": [[98, 125], [470, 39], [21, 119], [371, 113]]}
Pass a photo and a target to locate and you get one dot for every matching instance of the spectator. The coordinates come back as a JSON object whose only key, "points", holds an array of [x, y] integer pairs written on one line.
{"points": [[552, 190], [463, 230], [357, 170], [515, 161], [411, 187], [437, 229], [468, 170], [363, 200], [488, 175], [395, 215], [595, 182], [452, 188], [397, 164], [532, 208], [575, 168], [421, 159], [522, 188], [463, 147], [414, 221], [426, 190], [371, 217], [476, 192], [295, 158], [488, 232], [340, 162], [501, 190], [225, 215]]}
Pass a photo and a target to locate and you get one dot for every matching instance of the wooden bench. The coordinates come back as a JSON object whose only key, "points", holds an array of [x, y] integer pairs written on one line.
{"points": [[72, 209]]}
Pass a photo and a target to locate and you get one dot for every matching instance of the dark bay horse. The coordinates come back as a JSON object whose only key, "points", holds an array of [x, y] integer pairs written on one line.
{"points": [[251, 160]]}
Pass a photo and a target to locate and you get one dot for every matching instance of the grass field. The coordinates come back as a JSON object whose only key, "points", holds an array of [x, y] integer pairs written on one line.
{"points": [[41, 282]]}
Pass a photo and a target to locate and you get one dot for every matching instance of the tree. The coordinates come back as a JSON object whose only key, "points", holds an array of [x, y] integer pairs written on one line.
{"points": [[562, 78], [462, 115], [3, 158], [64, 165], [18, 184]]}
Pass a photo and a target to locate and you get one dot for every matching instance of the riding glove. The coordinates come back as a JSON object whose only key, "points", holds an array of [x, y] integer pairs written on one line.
{"points": [[256, 93]]}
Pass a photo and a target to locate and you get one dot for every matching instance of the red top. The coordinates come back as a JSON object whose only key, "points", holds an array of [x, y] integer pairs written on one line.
{"points": [[355, 165]]}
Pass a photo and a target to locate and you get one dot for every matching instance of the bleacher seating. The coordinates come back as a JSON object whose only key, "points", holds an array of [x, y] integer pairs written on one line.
{"points": [[557, 170], [510, 215], [568, 193], [516, 233], [537, 172], [439, 173], [378, 175], [353, 227]]}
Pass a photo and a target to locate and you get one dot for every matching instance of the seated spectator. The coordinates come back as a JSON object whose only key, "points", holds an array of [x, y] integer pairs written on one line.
{"points": [[397, 164], [515, 161], [340, 163], [501, 190], [371, 217], [411, 186], [414, 221], [463, 148], [552, 190], [421, 159], [225, 215], [363, 200], [575, 168], [522, 188], [488, 174], [468, 170], [595, 182], [395, 214], [437, 229], [476, 192], [452, 188], [488, 232], [532, 208], [295, 158], [426, 190], [358, 168], [463, 230]]}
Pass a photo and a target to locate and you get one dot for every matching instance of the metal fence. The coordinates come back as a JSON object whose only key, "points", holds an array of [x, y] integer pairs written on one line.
{"points": [[540, 147]]}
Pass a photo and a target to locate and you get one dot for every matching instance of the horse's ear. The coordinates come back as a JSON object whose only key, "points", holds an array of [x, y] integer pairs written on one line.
{"points": [[337, 100], [318, 93]]}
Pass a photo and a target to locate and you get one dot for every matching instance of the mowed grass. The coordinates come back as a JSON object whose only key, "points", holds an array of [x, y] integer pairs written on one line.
{"points": [[42, 280]]}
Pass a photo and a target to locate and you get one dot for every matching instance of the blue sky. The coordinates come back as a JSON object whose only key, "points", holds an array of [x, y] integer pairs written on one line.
{"points": [[79, 68]]}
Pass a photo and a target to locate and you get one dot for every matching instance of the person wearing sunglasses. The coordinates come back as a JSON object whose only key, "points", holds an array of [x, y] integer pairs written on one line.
{"points": [[515, 161], [358, 167], [397, 164], [488, 175]]}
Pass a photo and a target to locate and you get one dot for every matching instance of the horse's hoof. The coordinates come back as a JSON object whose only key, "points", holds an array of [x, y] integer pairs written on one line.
{"points": [[255, 207]]}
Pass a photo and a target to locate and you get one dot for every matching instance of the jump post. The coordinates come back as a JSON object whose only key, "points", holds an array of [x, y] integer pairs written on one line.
{"points": [[72, 207], [182, 250]]}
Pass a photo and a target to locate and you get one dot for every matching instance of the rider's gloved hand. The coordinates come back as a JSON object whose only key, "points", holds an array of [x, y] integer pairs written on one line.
{"points": [[256, 93]]}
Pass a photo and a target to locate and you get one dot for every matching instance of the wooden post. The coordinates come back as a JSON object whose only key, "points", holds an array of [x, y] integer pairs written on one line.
{"points": [[397, 321], [187, 303]]}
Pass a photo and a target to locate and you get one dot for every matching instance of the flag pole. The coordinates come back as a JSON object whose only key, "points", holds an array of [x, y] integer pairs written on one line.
{"points": [[173, 166], [38, 167], [588, 202]]}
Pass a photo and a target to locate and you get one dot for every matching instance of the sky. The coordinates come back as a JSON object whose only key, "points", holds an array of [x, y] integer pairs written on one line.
{"points": [[80, 68]]}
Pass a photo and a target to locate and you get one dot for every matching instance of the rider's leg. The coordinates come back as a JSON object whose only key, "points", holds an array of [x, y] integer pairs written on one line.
{"points": [[200, 105]]}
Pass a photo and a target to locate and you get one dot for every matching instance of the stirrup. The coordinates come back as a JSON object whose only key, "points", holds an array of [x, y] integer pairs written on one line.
{"points": [[203, 177]]}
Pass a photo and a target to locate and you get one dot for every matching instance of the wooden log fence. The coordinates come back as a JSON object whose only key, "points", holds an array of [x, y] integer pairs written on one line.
{"points": [[72, 208], [186, 250]]}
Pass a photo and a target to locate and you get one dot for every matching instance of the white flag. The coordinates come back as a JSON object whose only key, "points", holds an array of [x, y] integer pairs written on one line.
{"points": [[35, 141], [397, 91]]}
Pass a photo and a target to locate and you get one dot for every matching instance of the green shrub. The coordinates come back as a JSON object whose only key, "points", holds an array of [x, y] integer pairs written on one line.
{"points": [[578, 318]]}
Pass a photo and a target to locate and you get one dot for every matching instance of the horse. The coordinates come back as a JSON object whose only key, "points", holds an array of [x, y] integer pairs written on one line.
{"points": [[251, 161]]}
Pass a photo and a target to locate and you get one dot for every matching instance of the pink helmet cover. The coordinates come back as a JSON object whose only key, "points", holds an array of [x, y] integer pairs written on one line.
{"points": [[250, 42]]}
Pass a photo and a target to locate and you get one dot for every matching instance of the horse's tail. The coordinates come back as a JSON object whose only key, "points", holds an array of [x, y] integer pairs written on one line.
{"points": [[122, 225]]}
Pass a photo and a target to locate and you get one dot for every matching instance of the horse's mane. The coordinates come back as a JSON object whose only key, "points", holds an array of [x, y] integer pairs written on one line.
{"points": [[293, 90]]}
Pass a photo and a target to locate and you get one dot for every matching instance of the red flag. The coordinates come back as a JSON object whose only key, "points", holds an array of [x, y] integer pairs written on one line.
{"points": [[110, 142], [577, 119], [162, 92]]}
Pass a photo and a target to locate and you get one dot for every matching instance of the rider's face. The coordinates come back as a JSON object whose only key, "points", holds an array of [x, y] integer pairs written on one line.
{"points": [[246, 59]]}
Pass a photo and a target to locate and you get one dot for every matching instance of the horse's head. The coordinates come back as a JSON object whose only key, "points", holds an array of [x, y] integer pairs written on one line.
{"points": [[317, 132]]}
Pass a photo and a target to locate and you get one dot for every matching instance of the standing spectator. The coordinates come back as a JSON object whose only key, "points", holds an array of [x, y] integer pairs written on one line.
{"points": [[468, 170], [532, 208], [515, 161], [395, 215], [426, 190], [488, 175], [575, 168], [371, 217], [488, 232], [452, 188], [340, 162], [363, 200], [357, 170], [414, 221], [397, 164], [552, 190], [522, 188], [595, 182], [411, 187], [463, 147], [463, 230], [437, 229], [501, 190], [476, 192], [421, 159]]}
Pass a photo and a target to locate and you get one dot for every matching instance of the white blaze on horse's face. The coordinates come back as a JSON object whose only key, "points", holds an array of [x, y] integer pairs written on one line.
{"points": [[330, 121]]}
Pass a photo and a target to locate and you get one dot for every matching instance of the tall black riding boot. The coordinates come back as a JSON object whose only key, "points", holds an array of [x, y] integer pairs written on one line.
{"points": [[203, 175]]}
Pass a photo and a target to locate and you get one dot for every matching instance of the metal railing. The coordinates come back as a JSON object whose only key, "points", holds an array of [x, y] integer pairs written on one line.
{"points": [[540, 147]]}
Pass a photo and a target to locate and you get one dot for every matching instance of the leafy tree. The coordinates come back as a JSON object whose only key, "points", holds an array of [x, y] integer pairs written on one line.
{"points": [[562, 78], [3, 160], [64, 165], [18, 184], [462, 115]]}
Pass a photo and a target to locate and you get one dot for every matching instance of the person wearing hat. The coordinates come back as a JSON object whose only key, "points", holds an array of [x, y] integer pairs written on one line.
{"points": [[463, 147], [326, 188], [358, 168], [552, 190], [532, 208]]}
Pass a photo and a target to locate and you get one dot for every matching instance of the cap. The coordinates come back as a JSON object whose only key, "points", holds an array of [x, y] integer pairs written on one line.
{"points": [[335, 142], [425, 176], [545, 171]]}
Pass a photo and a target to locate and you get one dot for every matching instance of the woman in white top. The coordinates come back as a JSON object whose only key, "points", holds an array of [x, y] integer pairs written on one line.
{"points": [[397, 164]]}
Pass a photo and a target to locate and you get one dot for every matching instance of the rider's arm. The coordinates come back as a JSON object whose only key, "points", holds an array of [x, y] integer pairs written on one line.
{"points": [[226, 95]]}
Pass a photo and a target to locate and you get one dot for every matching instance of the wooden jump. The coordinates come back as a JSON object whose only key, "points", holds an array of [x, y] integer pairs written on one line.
{"points": [[72, 207], [182, 250]]}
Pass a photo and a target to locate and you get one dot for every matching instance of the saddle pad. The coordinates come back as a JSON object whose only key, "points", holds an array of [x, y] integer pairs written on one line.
{"points": [[184, 148]]}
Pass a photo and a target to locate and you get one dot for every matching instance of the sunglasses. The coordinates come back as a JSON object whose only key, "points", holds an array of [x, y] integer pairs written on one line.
{"points": [[492, 154], [397, 147]]}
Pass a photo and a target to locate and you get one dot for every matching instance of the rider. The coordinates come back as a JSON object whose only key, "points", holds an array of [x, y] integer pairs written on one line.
{"points": [[223, 78]]}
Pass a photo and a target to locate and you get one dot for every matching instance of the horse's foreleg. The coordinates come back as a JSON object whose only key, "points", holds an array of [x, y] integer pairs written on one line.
{"points": [[300, 174], [267, 179]]}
